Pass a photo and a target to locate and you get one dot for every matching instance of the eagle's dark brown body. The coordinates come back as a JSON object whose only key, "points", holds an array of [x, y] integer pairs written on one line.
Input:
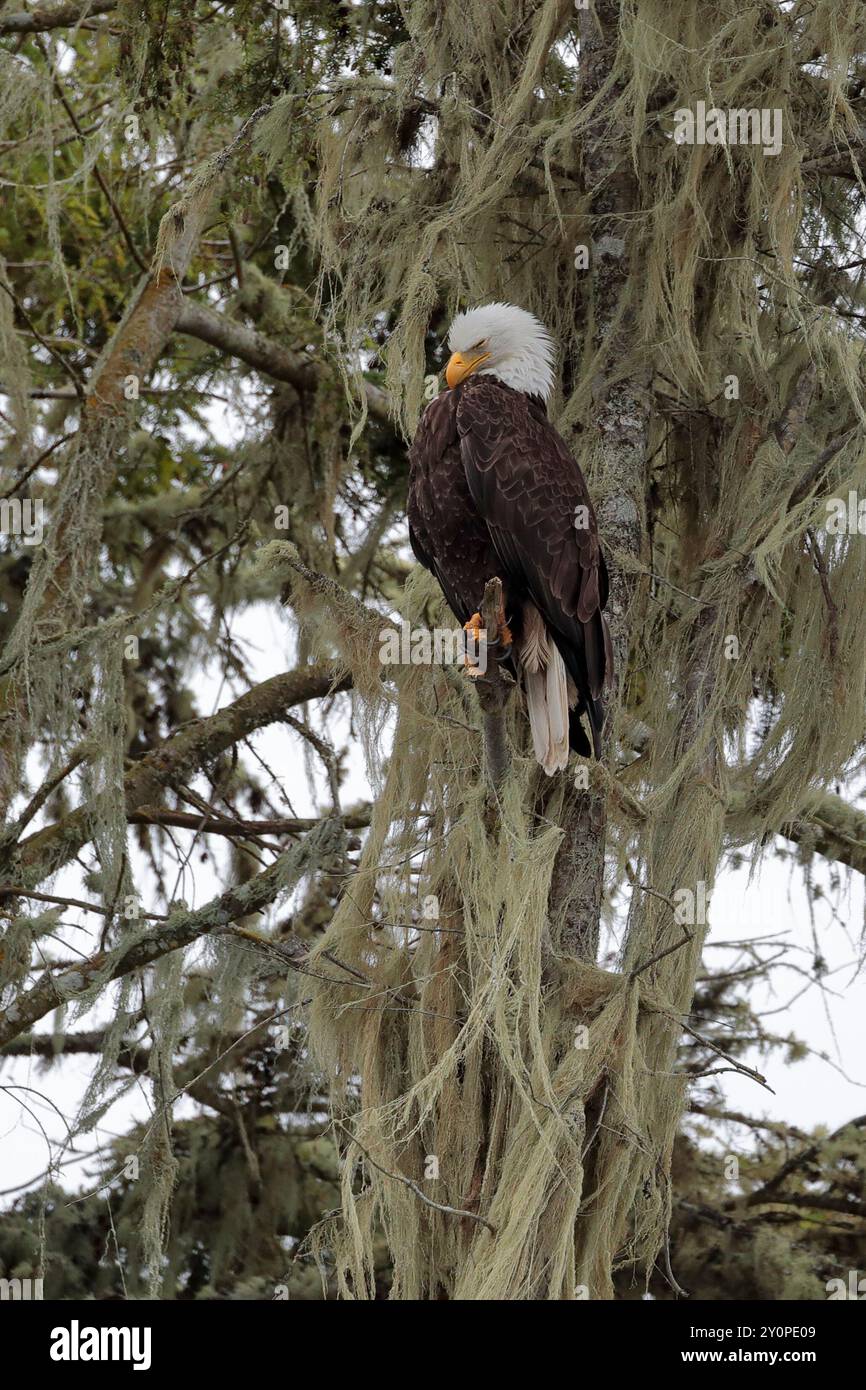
{"points": [[493, 490]]}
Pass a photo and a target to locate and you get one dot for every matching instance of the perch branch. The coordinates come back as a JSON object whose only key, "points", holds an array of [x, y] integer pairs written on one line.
{"points": [[494, 687]]}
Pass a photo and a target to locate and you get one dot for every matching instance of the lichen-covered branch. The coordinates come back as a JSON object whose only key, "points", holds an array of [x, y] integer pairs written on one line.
{"points": [[189, 749], [45, 17], [181, 930], [65, 565], [257, 350]]}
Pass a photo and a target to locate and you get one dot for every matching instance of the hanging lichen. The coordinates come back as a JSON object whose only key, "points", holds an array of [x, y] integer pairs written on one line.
{"points": [[550, 1161]]}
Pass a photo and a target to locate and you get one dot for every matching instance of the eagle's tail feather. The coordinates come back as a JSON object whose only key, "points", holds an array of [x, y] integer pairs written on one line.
{"points": [[547, 693]]}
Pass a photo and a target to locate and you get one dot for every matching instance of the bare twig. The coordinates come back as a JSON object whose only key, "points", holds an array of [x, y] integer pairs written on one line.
{"points": [[11, 890], [227, 825], [660, 955], [413, 1186], [738, 1066]]}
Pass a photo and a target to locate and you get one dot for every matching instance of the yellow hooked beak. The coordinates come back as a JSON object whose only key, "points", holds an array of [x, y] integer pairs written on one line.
{"points": [[459, 367]]}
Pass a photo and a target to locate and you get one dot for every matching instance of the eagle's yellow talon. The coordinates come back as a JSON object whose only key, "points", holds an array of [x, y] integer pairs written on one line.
{"points": [[474, 628]]}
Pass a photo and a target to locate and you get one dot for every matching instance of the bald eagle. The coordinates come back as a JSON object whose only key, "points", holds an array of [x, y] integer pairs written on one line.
{"points": [[494, 491]]}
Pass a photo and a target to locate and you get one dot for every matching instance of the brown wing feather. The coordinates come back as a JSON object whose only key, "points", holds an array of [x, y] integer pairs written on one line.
{"points": [[527, 487], [447, 535]]}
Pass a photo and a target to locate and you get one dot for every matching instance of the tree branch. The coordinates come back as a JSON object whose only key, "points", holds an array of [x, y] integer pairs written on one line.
{"points": [[844, 161], [226, 825], [768, 1192], [262, 353], [190, 747], [43, 17], [181, 930], [62, 572]]}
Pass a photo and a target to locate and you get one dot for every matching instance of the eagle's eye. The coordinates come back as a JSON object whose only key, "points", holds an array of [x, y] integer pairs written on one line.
{"points": [[479, 344]]}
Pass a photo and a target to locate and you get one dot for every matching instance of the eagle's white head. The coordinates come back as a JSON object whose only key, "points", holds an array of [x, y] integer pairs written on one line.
{"points": [[503, 341]]}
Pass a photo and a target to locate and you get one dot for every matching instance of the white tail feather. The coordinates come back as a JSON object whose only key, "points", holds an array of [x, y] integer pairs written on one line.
{"points": [[536, 703], [557, 701], [547, 692]]}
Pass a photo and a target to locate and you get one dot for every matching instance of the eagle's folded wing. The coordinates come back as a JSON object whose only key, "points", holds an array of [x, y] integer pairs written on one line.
{"points": [[533, 496]]}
